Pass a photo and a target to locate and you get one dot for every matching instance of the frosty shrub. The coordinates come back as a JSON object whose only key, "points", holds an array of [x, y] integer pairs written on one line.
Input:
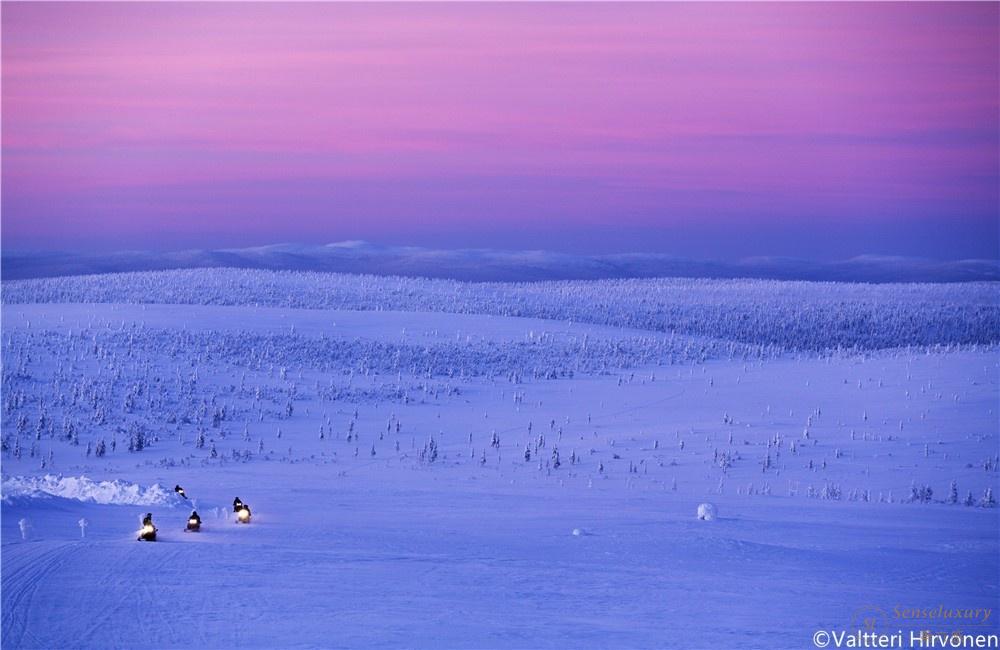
{"points": [[707, 512]]}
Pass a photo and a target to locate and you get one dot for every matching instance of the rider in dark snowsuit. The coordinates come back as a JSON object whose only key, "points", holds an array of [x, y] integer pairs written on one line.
{"points": [[150, 535]]}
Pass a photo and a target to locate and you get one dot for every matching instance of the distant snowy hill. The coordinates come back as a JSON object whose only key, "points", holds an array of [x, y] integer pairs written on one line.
{"points": [[496, 265]]}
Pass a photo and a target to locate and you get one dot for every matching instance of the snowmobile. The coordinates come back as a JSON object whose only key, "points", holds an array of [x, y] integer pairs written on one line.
{"points": [[194, 522], [243, 514], [179, 490], [148, 531]]}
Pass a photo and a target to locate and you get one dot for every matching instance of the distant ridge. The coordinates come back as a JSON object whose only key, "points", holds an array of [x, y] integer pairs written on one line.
{"points": [[481, 265]]}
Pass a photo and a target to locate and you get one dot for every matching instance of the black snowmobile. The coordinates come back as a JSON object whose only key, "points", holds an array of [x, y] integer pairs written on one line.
{"points": [[194, 522], [179, 490], [148, 531]]}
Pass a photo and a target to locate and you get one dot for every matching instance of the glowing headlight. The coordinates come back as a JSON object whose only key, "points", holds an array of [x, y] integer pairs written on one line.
{"points": [[243, 514], [192, 522], [147, 529]]}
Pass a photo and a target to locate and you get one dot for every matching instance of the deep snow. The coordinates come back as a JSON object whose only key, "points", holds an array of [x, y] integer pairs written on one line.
{"points": [[810, 456]]}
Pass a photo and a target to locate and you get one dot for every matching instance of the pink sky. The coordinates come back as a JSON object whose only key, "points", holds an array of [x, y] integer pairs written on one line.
{"points": [[674, 127]]}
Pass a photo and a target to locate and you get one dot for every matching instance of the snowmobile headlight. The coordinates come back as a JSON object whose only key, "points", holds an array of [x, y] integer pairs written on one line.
{"points": [[147, 529], [243, 515], [193, 522]]}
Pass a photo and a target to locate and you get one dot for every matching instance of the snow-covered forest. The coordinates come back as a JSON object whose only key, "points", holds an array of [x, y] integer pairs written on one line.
{"points": [[791, 315]]}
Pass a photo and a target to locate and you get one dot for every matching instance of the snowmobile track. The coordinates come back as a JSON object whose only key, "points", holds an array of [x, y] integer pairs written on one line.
{"points": [[24, 572]]}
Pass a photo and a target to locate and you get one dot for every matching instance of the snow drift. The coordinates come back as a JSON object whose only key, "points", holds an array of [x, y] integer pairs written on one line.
{"points": [[81, 488]]}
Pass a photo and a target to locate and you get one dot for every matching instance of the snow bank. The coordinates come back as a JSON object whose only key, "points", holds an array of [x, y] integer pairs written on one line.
{"points": [[82, 488]]}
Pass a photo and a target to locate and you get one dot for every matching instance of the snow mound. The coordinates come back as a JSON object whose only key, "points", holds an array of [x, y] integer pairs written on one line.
{"points": [[707, 512], [84, 489]]}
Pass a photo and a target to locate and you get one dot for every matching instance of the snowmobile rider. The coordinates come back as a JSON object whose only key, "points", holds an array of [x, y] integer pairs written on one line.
{"points": [[237, 504], [148, 531], [195, 518], [179, 490]]}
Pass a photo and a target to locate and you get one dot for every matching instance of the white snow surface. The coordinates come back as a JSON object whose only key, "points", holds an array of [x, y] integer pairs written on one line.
{"points": [[382, 449]]}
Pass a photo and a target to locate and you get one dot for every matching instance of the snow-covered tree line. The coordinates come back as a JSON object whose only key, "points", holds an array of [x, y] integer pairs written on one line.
{"points": [[789, 315]]}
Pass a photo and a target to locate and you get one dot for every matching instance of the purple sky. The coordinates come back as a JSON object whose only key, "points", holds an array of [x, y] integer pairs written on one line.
{"points": [[706, 130]]}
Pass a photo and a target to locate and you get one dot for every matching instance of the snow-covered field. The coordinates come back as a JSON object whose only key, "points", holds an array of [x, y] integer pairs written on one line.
{"points": [[442, 464]]}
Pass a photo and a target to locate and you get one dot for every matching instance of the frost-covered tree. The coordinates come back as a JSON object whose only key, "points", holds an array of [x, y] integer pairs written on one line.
{"points": [[137, 437], [920, 494]]}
